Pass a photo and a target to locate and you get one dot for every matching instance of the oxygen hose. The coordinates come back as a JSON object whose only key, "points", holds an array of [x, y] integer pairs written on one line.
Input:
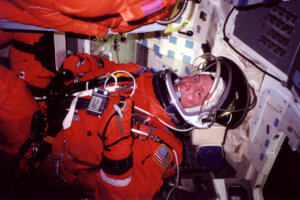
{"points": [[88, 92]]}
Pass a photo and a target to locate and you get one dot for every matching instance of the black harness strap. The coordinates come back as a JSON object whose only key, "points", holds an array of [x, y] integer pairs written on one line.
{"points": [[88, 164], [106, 147], [37, 127], [103, 137], [116, 167]]}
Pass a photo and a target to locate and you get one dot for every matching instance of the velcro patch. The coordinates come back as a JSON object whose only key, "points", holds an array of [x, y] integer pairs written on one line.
{"points": [[163, 157]]}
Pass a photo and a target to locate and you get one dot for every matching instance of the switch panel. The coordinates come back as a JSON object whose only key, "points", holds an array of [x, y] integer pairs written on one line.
{"points": [[272, 31]]}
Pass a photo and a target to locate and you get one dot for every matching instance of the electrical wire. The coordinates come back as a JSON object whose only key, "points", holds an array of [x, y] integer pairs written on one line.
{"points": [[249, 107], [116, 47], [163, 122], [139, 132], [117, 54], [110, 89], [226, 39], [177, 175], [116, 81], [176, 162], [254, 101]]}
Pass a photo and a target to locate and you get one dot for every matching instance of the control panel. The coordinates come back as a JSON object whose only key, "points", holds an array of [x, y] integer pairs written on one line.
{"points": [[272, 31]]}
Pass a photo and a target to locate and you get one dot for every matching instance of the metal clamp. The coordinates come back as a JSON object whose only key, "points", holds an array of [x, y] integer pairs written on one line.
{"points": [[56, 159], [154, 138]]}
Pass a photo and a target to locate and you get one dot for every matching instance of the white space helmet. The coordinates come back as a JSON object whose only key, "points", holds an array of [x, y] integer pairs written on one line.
{"points": [[227, 106]]}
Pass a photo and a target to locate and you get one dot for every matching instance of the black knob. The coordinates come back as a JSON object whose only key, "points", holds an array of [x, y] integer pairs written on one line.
{"points": [[188, 33]]}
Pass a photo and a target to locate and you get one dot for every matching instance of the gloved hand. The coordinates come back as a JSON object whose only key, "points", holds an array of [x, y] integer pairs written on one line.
{"points": [[84, 66], [115, 132]]}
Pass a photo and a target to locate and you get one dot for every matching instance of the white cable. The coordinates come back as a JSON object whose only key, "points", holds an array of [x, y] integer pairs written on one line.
{"points": [[40, 98], [134, 82], [230, 118], [105, 83], [116, 81], [139, 132], [176, 161], [87, 85], [177, 175], [111, 89], [163, 122], [144, 111], [175, 129]]}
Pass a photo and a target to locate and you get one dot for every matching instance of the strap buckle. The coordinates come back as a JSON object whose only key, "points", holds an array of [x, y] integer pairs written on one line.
{"points": [[56, 157]]}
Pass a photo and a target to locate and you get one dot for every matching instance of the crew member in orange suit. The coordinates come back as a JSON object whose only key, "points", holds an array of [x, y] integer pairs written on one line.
{"points": [[129, 144], [17, 103], [113, 133], [30, 55], [127, 165], [91, 17], [17, 107]]}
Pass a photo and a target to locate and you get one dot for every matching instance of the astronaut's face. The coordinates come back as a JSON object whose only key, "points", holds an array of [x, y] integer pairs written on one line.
{"points": [[194, 90]]}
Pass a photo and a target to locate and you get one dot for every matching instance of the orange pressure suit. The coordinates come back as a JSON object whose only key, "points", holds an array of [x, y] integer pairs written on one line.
{"points": [[17, 104], [103, 155], [23, 62], [16, 110], [90, 17]]}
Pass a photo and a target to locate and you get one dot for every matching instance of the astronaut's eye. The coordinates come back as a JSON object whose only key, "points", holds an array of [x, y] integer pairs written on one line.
{"points": [[196, 78]]}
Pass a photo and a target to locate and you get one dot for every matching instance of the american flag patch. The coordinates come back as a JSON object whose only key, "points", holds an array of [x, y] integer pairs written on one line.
{"points": [[163, 157]]}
